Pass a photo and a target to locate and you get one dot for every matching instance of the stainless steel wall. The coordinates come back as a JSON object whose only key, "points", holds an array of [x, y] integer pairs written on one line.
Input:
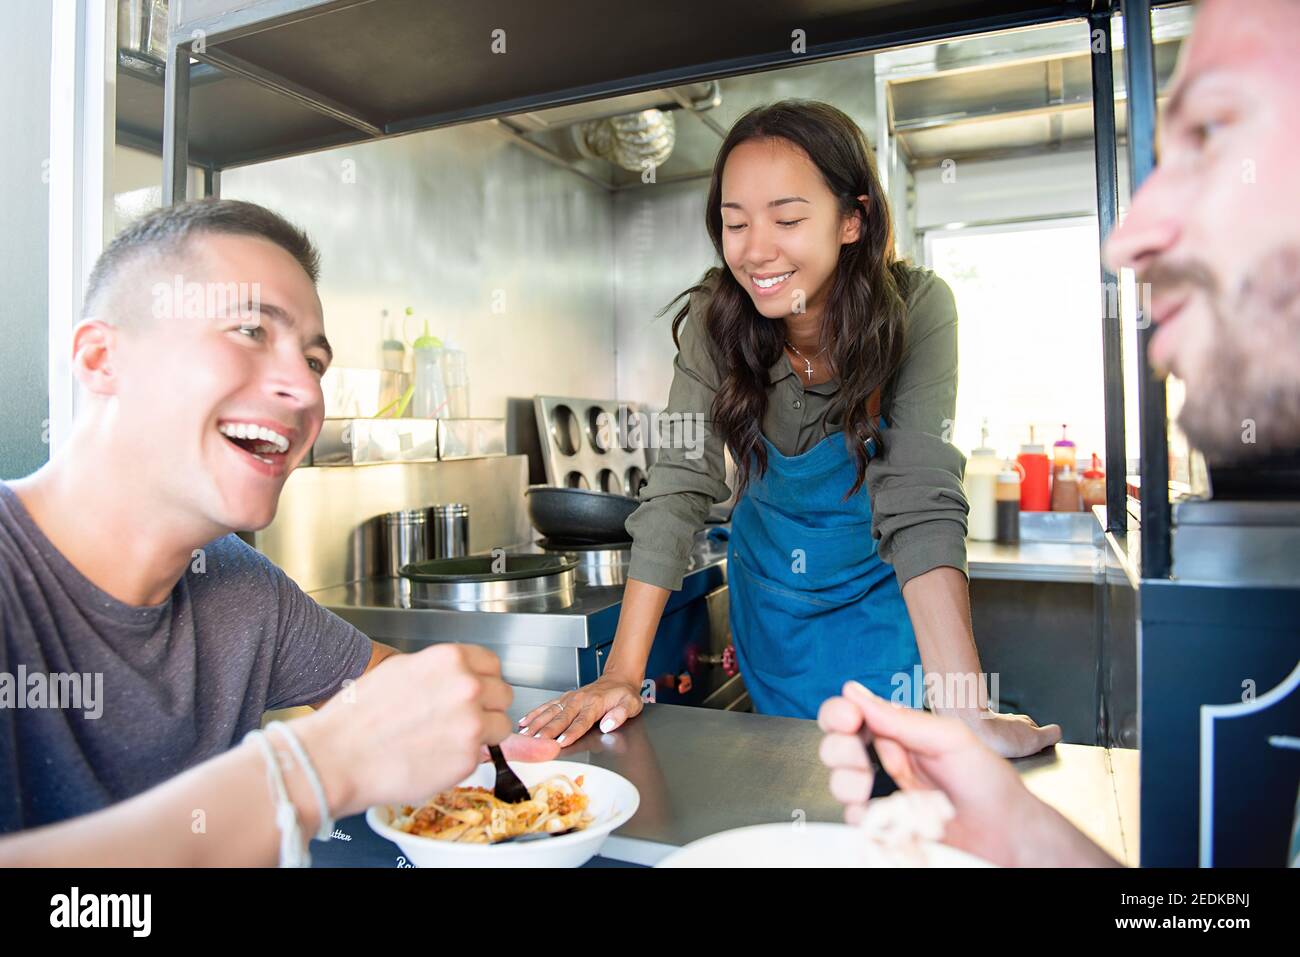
{"points": [[660, 248], [24, 241], [505, 255]]}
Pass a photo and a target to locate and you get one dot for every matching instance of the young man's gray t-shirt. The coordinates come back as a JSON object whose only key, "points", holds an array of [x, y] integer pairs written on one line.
{"points": [[173, 684]]}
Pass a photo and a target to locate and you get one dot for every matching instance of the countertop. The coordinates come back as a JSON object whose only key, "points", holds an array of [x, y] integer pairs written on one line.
{"points": [[1123, 549], [1035, 561], [393, 609], [701, 771]]}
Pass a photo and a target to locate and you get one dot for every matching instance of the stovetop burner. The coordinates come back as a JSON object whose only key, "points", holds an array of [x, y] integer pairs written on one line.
{"points": [[559, 545], [490, 582], [603, 564]]}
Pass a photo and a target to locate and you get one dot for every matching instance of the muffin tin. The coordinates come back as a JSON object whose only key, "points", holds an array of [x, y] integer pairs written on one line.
{"points": [[584, 444]]}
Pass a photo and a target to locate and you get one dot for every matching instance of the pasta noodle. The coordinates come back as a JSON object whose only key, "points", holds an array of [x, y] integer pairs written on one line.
{"points": [[473, 815]]}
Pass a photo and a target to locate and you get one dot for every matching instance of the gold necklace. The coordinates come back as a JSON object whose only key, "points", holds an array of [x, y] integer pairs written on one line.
{"points": [[806, 360]]}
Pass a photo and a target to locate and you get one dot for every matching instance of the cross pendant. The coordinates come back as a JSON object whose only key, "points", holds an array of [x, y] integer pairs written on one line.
{"points": [[809, 370]]}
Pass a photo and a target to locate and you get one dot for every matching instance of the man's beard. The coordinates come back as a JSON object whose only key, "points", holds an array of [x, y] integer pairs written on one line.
{"points": [[1246, 403]]}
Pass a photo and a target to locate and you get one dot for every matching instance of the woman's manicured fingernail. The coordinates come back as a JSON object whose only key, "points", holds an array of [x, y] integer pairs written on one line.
{"points": [[560, 739], [523, 730], [607, 726], [863, 688], [538, 734]]}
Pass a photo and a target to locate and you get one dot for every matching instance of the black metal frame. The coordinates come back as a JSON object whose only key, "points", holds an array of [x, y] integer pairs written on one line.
{"points": [[1104, 146], [1139, 63]]}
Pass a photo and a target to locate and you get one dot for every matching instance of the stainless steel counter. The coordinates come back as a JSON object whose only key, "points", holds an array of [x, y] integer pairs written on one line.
{"points": [[1123, 550], [1054, 547], [1035, 561], [702, 771]]}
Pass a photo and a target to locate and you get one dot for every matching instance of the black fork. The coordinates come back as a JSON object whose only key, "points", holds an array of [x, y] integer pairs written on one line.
{"points": [[508, 787]]}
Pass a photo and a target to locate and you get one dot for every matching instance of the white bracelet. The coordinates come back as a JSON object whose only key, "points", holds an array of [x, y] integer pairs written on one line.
{"points": [[293, 849], [326, 821]]}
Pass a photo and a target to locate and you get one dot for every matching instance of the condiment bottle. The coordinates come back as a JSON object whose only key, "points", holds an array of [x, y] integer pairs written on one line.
{"points": [[429, 400], [1035, 485], [455, 376], [1064, 452], [392, 351], [980, 477], [1007, 497], [1065, 490], [1093, 486], [980, 480], [1065, 475]]}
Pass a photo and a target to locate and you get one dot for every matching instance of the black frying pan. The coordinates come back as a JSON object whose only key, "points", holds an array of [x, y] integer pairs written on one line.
{"points": [[579, 516]]}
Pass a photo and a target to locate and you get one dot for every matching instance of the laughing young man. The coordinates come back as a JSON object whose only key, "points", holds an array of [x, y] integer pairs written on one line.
{"points": [[1215, 231], [200, 355]]}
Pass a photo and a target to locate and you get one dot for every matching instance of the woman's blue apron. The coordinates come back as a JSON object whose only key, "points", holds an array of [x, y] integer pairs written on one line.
{"points": [[812, 604]]}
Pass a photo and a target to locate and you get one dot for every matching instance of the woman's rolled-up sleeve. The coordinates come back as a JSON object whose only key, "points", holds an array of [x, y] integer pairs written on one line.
{"points": [[918, 503], [690, 472]]}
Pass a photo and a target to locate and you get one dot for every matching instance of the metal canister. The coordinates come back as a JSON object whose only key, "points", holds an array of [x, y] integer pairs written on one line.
{"points": [[404, 539], [448, 530]]}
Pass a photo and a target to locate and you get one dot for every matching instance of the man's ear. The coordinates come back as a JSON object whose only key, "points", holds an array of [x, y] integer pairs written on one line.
{"points": [[851, 231], [94, 349]]}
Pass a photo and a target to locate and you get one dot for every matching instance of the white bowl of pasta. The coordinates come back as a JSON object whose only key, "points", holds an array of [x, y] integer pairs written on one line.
{"points": [[466, 826]]}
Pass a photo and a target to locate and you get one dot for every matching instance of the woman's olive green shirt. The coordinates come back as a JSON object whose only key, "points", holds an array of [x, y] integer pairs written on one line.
{"points": [[918, 505]]}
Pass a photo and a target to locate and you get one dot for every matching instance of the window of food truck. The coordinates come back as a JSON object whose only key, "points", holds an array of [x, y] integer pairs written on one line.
{"points": [[1028, 334]]}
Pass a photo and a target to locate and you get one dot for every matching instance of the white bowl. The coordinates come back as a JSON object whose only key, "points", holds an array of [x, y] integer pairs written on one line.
{"points": [[800, 845], [613, 801]]}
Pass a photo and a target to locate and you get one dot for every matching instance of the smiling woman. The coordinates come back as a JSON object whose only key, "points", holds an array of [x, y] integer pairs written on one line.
{"points": [[827, 263], [827, 367]]}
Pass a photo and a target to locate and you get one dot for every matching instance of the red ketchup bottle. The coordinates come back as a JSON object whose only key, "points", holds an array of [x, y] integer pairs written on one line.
{"points": [[1035, 489]]}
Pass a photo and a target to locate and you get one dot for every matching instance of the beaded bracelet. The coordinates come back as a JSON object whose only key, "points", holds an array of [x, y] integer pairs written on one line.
{"points": [[326, 822]]}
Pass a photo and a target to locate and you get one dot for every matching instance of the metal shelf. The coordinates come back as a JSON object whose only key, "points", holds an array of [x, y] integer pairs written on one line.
{"points": [[282, 77], [232, 121]]}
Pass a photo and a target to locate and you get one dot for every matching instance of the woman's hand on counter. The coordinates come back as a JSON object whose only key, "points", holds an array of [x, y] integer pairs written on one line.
{"points": [[609, 700], [997, 817], [616, 695], [1010, 735]]}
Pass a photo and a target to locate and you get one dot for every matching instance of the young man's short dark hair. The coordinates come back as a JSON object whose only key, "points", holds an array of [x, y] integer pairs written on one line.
{"points": [[167, 232]]}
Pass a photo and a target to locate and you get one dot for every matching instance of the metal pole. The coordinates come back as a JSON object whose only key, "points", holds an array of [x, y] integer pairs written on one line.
{"points": [[1139, 63], [1112, 344], [176, 123]]}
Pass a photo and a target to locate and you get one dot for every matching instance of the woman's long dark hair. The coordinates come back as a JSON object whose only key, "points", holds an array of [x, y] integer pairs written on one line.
{"points": [[862, 324]]}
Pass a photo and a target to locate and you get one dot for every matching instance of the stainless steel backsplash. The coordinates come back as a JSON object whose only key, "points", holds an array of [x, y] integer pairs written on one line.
{"points": [[506, 256], [322, 536]]}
